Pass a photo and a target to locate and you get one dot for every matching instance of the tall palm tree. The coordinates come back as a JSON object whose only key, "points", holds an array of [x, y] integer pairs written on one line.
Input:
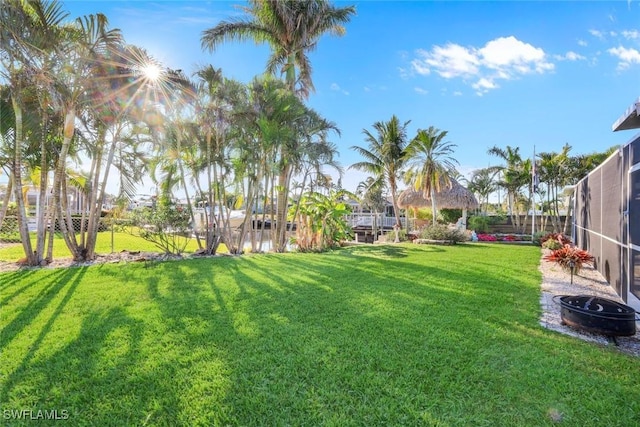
{"points": [[90, 39], [292, 28], [554, 174], [30, 33], [219, 99], [514, 176], [430, 163], [385, 157]]}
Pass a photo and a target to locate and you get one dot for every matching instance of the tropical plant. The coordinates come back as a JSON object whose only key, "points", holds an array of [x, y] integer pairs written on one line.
{"points": [[167, 226], [553, 173], [570, 258], [561, 238], [442, 232], [430, 161], [514, 176], [483, 184], [322, 223], [385, 157], [30, 36], [292, 29], [371, 196]]}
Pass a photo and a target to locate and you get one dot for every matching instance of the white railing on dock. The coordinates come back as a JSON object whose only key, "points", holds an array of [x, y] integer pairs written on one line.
{"points": [[367, 220]]}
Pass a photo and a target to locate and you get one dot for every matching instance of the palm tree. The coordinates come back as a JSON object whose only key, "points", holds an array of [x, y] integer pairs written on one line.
{"points": [[385, 157], [372, 197], [553, 173], [430, 163], [483, 183], [219, 100], [30, 33], [515, 176], [292, 28], [91, 38]]}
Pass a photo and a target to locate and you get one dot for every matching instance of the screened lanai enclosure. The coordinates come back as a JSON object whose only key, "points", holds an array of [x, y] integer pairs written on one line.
{"points": [[607, 214]]}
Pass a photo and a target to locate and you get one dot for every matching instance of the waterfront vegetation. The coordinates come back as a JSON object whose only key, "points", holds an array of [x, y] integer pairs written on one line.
{"points": [[366, 335]]}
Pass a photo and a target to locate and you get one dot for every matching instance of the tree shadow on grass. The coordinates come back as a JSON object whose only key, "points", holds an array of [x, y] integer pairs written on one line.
{"points": [[57, 281], [7, 280], [25, 278]]}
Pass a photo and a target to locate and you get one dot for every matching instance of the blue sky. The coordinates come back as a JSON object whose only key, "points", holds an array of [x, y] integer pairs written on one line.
{"points": [[490, 73]]}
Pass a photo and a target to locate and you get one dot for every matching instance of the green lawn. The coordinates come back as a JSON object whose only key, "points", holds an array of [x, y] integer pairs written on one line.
{"points": [[121, 241], [364, 336]]}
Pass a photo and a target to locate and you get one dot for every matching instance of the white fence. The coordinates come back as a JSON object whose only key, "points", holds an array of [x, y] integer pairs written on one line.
{"points": [[369, 219]]}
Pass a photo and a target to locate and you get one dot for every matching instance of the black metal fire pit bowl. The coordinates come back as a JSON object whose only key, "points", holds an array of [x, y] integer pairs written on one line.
{"points": [[598, 315]]}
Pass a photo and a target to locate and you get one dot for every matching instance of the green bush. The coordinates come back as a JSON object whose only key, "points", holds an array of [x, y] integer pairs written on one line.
{"points": [[166, 226], [442, 232], [390, 236], [450, 215], [552, 244], [537, 237], [478, 223]]}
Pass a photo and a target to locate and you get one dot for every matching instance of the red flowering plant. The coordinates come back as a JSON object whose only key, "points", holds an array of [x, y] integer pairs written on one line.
{"points": [[570, 258], [487, 238]]}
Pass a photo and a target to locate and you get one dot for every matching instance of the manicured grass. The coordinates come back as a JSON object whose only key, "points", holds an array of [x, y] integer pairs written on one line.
{"points": [[121, 241], [363, 336]]}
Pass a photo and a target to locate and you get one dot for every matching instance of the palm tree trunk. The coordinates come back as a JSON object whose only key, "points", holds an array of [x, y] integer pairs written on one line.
{"points": [[95, 204], [396, 212], [23, 225], [41, 233], [434, 212], [281, 208], [6, 198], [68, 234]]}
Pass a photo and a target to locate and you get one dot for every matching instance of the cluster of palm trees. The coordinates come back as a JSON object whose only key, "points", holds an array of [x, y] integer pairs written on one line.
{"points": [[425, 162], [526, 184], [74, 90]]}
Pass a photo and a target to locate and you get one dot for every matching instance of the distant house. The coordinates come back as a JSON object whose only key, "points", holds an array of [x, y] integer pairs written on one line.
{"points": [[607, 214]]}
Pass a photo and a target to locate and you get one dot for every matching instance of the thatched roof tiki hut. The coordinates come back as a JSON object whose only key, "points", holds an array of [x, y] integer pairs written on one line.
{"points": [[449, 197]]}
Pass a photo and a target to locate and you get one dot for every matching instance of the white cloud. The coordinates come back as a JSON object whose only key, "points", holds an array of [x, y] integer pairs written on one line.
{"points": [[504, 58], [505, 52], [420, 90], [457, 93], [596, 33], [448, 61], [570, 56], [582, 43], [484, 85], [627, 57], [631, 34], [336, 88]]}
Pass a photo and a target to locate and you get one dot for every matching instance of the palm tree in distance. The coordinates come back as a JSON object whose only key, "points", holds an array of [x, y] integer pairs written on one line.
{"points": [[430, 163], [483, 184], [385, 157]]}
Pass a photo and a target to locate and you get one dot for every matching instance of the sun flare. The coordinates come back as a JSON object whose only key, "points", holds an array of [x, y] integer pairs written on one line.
{"points": [[151, 72]]}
